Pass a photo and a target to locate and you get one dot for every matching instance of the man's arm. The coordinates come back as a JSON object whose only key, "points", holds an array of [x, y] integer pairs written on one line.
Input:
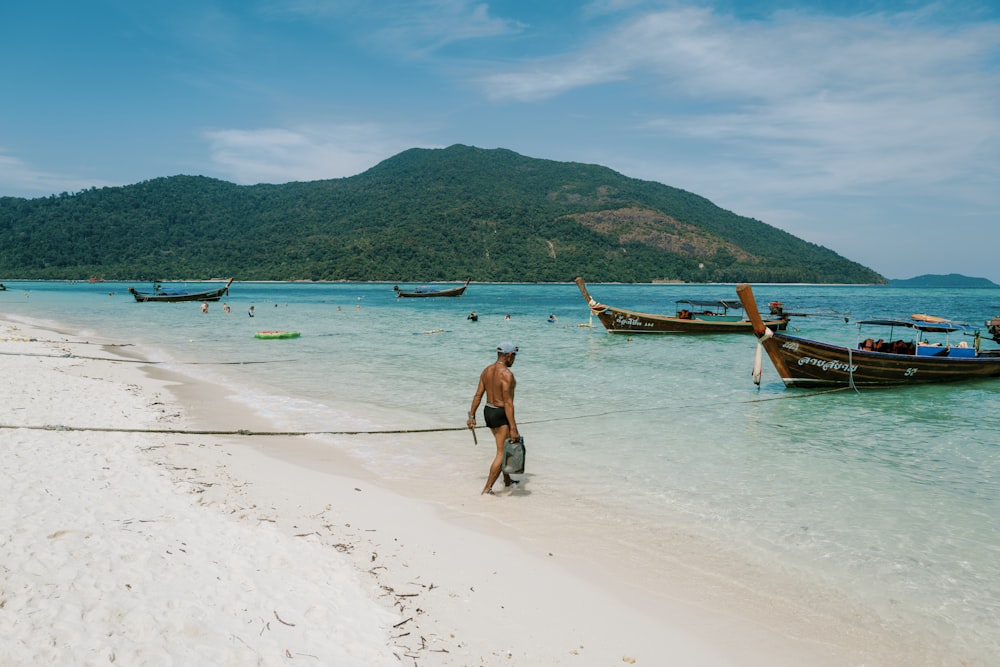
{"points": [[480, 390], [507, 391]]}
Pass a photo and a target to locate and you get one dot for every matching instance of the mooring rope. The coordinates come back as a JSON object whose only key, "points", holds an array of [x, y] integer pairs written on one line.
{"points": [[247, 432], [70, 355], [18, 339], [850, 368]]}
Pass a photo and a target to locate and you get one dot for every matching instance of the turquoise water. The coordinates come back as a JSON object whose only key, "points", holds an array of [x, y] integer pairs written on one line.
{"points": [[890, 497]]}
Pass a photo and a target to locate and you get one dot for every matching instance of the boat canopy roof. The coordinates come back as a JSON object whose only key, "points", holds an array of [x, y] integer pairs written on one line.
{"points": [[933, 327], [711, 303]]}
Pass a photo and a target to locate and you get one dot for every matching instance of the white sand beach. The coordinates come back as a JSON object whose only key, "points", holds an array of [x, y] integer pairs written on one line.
{"points": [[129, 538]]}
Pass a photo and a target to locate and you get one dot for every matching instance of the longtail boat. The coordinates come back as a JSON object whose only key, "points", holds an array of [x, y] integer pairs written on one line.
{"points": [[159, 293], [923, 352], [424, 292], [692, 316]]}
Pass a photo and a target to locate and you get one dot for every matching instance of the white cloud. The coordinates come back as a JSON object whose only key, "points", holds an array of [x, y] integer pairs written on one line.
{"points": [[622, 53], [427, 26], [836, 102], [418, 26], [19, 179], [305, 153]]}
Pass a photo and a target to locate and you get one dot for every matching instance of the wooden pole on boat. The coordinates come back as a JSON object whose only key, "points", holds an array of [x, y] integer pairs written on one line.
{"points": [[745, 293], [590, 301], [765, 339]]}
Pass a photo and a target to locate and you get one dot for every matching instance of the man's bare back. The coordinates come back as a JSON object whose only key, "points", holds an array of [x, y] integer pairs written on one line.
{"points": [[499, 383]]}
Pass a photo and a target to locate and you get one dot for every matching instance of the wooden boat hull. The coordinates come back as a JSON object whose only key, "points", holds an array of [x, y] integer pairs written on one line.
{"points": [[807, 363], [454, 291], [618, 320], [177, 296]]}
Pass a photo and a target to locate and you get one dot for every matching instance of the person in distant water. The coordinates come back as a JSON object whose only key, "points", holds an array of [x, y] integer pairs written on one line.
{"points": [[507, 316], [226, 308], [472, 316], [552, 319], [250, 312], [498, 383], [204, 306]]}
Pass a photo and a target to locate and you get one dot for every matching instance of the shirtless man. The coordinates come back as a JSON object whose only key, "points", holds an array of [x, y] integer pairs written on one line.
{"points": [[498, 383]]}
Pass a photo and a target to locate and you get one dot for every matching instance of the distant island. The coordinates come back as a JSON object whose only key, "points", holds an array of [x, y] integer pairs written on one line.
{"points": [[951, 281]]}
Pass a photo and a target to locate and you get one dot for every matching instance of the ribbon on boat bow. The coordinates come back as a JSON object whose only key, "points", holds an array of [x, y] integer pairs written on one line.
{"points": [[596, 308], [758, 362]]}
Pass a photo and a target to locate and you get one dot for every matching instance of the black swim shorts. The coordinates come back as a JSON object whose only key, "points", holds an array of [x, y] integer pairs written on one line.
{"points": [[495, 417]]}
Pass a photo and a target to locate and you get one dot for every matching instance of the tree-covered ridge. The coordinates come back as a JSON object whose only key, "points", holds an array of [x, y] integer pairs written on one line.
{"points": [[422, 215]]}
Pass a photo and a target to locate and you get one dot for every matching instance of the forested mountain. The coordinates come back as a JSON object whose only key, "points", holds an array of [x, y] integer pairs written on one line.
{"points": [[423, 215]]}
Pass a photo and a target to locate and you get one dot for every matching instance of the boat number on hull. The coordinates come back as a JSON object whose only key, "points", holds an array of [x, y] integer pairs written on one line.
{"points": [[910, 372]]}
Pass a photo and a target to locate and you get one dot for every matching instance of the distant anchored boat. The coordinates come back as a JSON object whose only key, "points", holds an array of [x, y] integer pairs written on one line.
{"points": [[926, 349], [425, 291], [692, 316], [159, 293]]}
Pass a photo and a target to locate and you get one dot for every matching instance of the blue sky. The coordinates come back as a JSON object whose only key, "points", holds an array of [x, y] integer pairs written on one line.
{"points": [[871, 128]]}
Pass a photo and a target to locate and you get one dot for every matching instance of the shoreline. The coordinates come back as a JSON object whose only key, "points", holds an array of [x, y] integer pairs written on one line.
{"points": [[570, 283], [462, 582]]}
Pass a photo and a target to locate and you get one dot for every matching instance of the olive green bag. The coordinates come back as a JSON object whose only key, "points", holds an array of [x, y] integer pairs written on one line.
{"points": [[513, 456]]}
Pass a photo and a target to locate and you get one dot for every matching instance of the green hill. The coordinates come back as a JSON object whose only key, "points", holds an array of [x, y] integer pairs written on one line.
{"points": [[422, 215]]}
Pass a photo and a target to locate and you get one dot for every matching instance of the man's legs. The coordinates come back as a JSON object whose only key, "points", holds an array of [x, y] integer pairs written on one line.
{"points": [[500, 434]]}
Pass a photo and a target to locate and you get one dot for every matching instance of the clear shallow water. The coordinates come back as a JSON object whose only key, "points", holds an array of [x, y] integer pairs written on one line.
{"points": [[891, 497]]}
